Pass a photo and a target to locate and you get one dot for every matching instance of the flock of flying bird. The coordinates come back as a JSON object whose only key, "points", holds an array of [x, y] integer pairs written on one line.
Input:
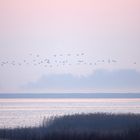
{"points": [[56, 60]]}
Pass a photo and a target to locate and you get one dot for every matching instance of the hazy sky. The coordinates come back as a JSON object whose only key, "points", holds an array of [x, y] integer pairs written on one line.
{"points": [[99, 40]]}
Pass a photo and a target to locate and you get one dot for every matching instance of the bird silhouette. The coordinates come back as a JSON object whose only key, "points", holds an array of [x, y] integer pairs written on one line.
{"points": [[56, 60]]}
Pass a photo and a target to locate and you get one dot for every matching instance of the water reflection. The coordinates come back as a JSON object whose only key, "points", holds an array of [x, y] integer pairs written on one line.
{"points": [[30, 112]]}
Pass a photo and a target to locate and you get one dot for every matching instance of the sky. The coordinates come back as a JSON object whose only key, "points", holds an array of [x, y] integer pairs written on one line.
{"points": [[69, 46]]}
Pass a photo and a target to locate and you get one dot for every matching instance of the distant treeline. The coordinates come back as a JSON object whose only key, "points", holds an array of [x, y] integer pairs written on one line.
{"points": [[99, 126]]}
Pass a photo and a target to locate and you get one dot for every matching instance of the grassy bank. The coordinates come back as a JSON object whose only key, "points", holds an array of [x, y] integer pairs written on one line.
{"points": [[80, 127]]}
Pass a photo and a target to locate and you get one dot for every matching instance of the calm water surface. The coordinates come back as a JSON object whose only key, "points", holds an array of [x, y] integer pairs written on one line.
{"points": [[30, 112]]}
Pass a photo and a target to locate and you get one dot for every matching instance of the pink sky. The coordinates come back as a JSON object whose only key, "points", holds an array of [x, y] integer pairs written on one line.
{"points": [[63, 14], [101, 28]]}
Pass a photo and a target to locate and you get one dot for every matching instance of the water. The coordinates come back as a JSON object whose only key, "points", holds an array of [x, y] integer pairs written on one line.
{"points": [[31, 112]]}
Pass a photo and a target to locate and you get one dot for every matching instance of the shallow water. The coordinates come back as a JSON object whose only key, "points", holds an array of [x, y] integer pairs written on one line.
{"points": [[31, 112]]}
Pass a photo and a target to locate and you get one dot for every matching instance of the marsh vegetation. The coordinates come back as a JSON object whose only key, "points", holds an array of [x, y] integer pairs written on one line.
{"points": [[98, 126]]}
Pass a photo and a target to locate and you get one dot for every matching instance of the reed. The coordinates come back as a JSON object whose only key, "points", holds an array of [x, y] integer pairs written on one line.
{"points": [[98, 126]]}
